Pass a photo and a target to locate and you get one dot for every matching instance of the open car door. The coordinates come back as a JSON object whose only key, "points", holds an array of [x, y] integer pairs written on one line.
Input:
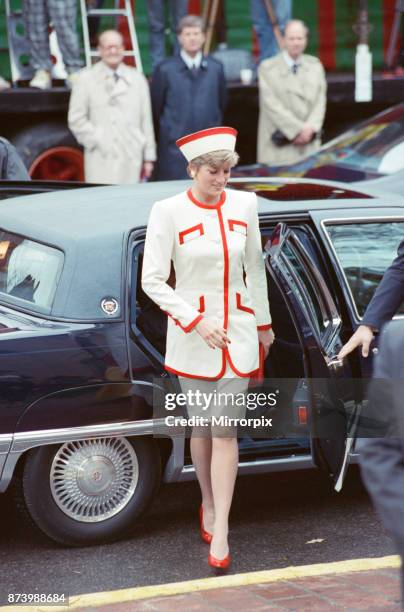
{"points": [[335, 399]]}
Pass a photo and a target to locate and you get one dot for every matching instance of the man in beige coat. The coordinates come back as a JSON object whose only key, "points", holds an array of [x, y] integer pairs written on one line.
{"points": [[110, 115], [292, 90]]}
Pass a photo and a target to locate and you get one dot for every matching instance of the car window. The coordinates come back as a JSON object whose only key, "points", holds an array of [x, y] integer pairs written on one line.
{"points": [[364, 251], [305, 289], [28, 270]]}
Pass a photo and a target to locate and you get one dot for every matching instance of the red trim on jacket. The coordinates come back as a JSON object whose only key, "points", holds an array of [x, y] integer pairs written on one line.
{"points": [[233, 222], [236, 371], [220, 201], [190, 326], [202, 133], [189, 231], [225, 271], [201, 303], [264, 327], [220, 375], [225, 356], [241, 307]]}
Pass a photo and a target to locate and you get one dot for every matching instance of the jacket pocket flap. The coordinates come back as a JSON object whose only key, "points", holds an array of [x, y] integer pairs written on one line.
{"points": [[196, 231], [241, 306], [238, 226]]}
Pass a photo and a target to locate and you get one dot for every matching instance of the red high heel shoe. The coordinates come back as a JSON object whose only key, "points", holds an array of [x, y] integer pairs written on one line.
{"points": [[220, 565], [205, 535]]}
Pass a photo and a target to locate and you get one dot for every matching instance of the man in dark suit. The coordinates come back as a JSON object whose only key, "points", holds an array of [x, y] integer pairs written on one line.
{"points": [[188, 94], [381, 454], [381, 448], [384, 304]]}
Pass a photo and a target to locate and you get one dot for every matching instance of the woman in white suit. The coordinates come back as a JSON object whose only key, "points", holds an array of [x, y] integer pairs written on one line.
{"points": [[218, 312]]}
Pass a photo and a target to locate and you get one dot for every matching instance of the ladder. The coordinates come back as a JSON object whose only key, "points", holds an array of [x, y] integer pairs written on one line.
{"points": [[19, 50], [395, 30], [118, 11]]}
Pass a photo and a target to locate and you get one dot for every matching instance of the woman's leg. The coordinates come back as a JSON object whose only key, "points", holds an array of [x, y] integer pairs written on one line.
{"points": [[224, 464], [214, 452], [223, 473], [201, 447], [201, 453]]}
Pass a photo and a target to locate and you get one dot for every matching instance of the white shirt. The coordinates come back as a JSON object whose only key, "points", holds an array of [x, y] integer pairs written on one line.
{"points": [[290, 61], [191, 61], [109, 72]]}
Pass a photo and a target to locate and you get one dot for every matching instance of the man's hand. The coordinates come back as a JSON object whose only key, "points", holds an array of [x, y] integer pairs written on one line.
{"points": [[147, 169], [213, 334], [305, 135], [266, 338], [362, 337]]}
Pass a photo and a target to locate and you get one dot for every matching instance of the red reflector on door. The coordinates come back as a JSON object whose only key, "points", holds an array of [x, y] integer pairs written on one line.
{"points": [[302, 415]]}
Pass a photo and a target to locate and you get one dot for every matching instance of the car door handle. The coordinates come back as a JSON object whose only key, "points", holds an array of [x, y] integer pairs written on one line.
{"points": [[335, 362]]}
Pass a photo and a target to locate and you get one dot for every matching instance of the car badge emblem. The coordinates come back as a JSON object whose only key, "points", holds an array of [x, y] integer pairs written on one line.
{"points": [[109, 305]]}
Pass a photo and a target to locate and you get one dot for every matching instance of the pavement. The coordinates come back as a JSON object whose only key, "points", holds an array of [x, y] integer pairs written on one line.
{"points": [[359, 584]]}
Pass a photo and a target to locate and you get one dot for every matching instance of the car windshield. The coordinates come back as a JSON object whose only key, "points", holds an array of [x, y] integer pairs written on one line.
{"points": [[377, 145], [365, 251], [28, 270]]}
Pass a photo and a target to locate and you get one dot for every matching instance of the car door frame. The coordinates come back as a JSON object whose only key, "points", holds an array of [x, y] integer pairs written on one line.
{"points": [[371, 215], [317, 358]]}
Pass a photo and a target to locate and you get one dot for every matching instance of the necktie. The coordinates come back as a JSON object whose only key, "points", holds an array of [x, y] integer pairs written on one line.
{"points": [[116, 77], [294, 68]]}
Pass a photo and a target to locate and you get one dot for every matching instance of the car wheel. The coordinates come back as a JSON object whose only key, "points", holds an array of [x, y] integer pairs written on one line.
{"points": [[90, 491], [50, 152]]}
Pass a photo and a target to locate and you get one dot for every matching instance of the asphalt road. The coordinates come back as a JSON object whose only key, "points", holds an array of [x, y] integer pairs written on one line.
{"points": [[277, 520]]}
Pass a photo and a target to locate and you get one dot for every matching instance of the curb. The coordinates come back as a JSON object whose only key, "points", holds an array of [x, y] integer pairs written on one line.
{"points": [[120, 596]]}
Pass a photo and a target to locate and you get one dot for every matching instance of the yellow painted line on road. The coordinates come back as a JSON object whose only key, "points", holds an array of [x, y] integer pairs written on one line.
{"points": [[89, 600]]}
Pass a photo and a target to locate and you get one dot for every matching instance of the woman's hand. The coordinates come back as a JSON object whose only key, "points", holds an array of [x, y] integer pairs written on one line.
{"points": [[213, 334], [266, 338]]}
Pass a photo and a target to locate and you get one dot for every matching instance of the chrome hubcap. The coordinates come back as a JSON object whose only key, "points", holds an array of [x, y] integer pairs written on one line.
{"points": [[92, 480]]}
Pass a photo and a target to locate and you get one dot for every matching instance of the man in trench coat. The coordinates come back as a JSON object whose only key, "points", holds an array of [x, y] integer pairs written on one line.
{"points": [[292, 91], [188, 94], [110, 115]]}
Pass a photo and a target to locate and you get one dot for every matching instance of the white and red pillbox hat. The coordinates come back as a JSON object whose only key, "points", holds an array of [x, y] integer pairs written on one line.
{"points": [[207, 141]]}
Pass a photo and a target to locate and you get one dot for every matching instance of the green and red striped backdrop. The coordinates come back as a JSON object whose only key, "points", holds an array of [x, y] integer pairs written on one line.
{"points": [[331, 22]]}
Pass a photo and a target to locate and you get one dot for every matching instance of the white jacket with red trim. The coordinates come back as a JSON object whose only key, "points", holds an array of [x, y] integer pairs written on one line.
{"points": [[211, 247]]}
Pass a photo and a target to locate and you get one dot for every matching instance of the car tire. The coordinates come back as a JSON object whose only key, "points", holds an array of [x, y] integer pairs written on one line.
{"points": [[110, 481], [50, 152]]}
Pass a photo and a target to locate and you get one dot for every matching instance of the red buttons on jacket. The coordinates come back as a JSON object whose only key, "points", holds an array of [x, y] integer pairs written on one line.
{"points": [[238, 226], [191, 233]]}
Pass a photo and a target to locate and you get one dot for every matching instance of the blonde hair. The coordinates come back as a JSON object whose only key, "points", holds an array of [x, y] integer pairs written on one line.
{"points": [[215, 159]]}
